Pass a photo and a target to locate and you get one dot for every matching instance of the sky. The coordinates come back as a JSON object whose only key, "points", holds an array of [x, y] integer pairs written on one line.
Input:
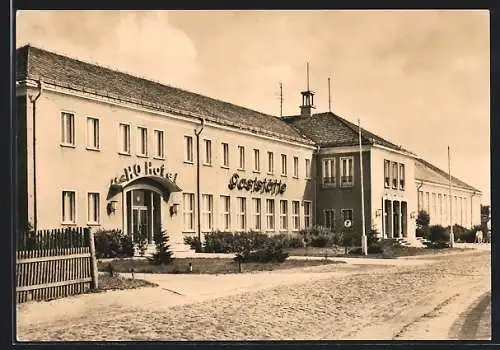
{"points": [[420, 79]]}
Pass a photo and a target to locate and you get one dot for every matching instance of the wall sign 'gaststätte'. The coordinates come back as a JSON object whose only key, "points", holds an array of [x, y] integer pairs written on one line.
{"points": [[255, 185], [133, 171]]}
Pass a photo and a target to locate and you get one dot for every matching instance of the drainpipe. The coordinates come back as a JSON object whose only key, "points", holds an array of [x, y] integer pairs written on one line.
{"points": [[33, 100], [197, 132]]}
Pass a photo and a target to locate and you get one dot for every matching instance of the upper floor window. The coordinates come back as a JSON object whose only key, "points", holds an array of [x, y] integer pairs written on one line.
{"points": [[256, 157], [67, 129], [402, 176], [308, 168], [225, 154], [241, 165], [208, 152], [124, 138], [328, 171], [387, 173], [92, 133], [283, 164], [159, 144], [270, 162], [188, 143], [295, 166], [142, 144], [394, 175], [346, 171]]}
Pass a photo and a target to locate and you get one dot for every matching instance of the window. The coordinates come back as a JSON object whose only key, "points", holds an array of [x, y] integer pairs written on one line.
{"points": [[67, 129], [346, 215], [208, 152], [270, 214], [188, 142], [225, 202], [346, 171], [328, 171], [143, 141], [387, 175], [242, 157], [188, 211], [427, 203], [124, 138], [93, 208], [159, 144], [394, 175], [283, 164], [308, 168], [92, 133], [420, 200], [256, 213], [207, 212], [445, 205], [329, 218], [283, 215], [434, 211], [295, 166], [225, 154], [68, 207], [402, 176], [440, 208], [242, 213], [307, 214], [296, 215], [256, 157], [270, 162]]}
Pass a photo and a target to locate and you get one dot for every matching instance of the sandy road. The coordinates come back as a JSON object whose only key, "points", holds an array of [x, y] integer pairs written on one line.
{"points": [[370, 302]]}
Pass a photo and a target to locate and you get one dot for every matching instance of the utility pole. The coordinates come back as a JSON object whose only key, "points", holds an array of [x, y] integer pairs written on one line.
{"points": [[364, 243], [452, 240]]}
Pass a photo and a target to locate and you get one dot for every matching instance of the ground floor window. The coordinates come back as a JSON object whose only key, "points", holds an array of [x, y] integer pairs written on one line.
{"points": [[270, 214], [296, 215], [68, 207], [207, 211], [256, 213], [307, 214], [329, 218], [346, 215], [93, 208], [225, 212], [242, 210], [283, 215], [188, 211]]}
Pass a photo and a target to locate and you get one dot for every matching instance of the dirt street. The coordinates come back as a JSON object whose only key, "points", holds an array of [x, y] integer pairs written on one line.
{"points": [[422, 301]]}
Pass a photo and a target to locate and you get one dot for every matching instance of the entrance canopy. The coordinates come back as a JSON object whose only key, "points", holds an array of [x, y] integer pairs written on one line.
{"points": [[164, 184]]}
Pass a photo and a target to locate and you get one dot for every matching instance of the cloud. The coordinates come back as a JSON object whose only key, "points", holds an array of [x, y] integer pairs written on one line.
{"points": [[142, 43]]}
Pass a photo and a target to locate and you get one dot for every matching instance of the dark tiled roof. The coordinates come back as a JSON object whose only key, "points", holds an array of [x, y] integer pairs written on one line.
{"points": [[425, 171], [33, 63], [330, 130]]}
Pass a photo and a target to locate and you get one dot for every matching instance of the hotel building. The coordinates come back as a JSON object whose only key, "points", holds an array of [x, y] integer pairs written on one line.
{"points": [[106, 149]]}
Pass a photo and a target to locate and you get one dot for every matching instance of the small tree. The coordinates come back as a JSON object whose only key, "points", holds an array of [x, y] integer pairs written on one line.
{"points": [[163, 254], [423, 220]]}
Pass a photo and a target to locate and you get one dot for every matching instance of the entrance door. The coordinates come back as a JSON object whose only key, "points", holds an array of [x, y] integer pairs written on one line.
{"points": [[140, 223]]}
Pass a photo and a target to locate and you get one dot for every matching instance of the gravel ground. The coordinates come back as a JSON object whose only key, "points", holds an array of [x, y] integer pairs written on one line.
{"points": [[373, 302]]}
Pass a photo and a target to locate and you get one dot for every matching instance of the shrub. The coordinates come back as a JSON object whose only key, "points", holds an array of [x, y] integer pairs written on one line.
{"points": [[422, 221], [163, 254], [271, 252], [142, 242], [228, 242], [194, 243], [439, 237], [113, 244], [465, 235], [321, 237]]}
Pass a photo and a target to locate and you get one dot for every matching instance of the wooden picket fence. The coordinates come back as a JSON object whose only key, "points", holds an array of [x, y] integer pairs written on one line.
{"points": [[55, 263]]}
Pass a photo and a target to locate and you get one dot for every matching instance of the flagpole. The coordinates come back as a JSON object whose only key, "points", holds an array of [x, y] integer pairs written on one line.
{"points": [[452, 238], [364, 245]]}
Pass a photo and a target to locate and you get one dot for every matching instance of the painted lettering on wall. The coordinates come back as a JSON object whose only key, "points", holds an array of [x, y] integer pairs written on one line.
{"points": [[134, 171], [255, 185]]}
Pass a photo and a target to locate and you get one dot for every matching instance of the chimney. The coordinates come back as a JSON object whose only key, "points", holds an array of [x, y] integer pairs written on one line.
{"points": [[307, 99]]}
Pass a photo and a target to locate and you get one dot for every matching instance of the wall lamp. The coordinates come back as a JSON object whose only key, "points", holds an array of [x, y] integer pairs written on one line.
{"points": [[174, 208], [112, 206], [413, 215], [378, 212]]}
